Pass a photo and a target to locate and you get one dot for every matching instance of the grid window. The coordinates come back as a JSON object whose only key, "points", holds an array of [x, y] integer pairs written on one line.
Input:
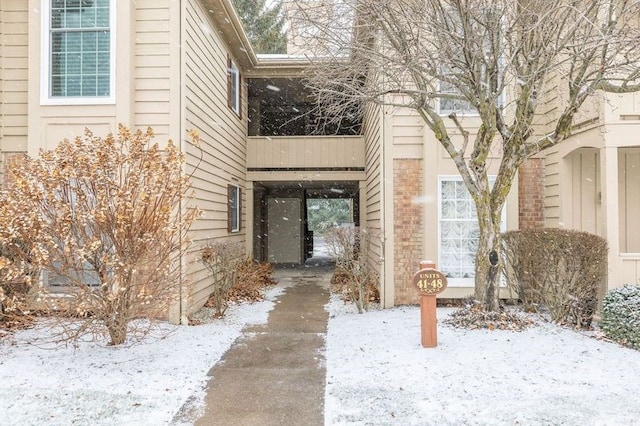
{"points": [[80, 48], [459, 231]]}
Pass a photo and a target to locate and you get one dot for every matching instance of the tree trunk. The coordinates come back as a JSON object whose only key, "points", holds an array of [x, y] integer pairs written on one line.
{"points": [[117, 328], [488, 256]]}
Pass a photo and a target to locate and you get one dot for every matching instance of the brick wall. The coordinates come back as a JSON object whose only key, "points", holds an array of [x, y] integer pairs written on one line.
{"points": [[531, 194], [408, 227]]}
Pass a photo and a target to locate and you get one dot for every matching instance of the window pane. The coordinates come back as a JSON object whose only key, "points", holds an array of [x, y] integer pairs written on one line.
{"points": [[458, 230], [102, 17], [80, 59]]}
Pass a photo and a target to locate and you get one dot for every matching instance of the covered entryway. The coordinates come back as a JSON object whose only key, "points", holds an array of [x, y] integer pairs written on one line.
{"points": [[282, 235], [599, 194]]}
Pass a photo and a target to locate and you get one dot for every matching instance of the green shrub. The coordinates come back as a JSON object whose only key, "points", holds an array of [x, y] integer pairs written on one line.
{"points": [[561, 269], [621, 315]]}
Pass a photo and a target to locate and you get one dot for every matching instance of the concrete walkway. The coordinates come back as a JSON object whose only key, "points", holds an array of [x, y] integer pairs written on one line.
{"points": [[274, 374]]}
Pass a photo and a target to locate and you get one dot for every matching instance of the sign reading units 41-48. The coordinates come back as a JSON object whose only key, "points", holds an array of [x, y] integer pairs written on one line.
{"points": [[430, 281]]}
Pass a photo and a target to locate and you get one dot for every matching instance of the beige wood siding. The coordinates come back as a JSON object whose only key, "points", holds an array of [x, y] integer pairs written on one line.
{"points": [[552, 188], [223, 138], [372, 197], [585, 191], [629, 198], [153, 65], [305, 152], [14, 53]]}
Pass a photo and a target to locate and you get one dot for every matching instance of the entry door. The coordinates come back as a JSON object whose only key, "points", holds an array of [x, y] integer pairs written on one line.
{"points": [[284, 222]]}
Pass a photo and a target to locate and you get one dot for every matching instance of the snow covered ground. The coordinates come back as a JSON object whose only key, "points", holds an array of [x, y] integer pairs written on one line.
{"points": [[377, 374], [143, 384]]}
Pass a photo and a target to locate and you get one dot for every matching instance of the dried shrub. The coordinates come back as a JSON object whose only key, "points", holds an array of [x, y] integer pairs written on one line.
{"points": [[473, 315], [15, 285], [221, 258], [561, 269], [105, 219], [621, 315], [355, 278], [252, 278]]}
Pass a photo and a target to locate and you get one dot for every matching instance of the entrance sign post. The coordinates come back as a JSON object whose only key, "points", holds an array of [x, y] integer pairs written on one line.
{"points": [[429, 282]]}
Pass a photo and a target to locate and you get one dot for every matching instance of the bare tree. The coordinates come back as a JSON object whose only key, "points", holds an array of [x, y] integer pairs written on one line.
{"points": [[494, 58]]}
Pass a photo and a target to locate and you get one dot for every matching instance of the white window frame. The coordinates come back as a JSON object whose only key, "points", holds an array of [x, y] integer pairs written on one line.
{"points": [[234, 208], [472, 112], [459, 282], [45, 78], [234, 90]]}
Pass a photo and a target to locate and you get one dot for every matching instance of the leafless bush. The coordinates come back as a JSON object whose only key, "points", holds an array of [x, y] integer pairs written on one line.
{"points": [[354, 272], [104, 218], [15, 284], [222, 259], [561, 269], [252, 277]]}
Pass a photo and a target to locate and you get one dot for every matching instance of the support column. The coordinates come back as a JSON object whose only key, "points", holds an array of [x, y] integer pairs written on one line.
{"points": [[249, 219], [610, 205]]}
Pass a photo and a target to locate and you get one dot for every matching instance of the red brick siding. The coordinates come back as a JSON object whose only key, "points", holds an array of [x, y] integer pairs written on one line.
{"points": [[531, 194], [408, 227]]}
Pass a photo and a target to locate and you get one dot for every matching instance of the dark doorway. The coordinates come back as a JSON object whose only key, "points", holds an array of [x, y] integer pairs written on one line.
{"points": [[287, 217]]}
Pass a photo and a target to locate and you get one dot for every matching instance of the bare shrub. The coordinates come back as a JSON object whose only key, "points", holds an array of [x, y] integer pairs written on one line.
{"points": [[562, 269], [354, 277], [15, 285], [104, 218], [222, 259], [252, 277]]}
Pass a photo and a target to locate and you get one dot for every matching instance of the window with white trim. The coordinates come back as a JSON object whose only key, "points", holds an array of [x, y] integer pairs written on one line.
{"points": [[448, 105], [458, 230], [78, 51], [234, 208], [233, 86]]}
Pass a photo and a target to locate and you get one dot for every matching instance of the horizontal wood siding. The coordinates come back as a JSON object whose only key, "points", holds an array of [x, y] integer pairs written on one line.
{"points": [[152, 66], [306, 152], [373, 187], [552, 188], [221, 157], [14, 55], [629, 170], [585, 179]]}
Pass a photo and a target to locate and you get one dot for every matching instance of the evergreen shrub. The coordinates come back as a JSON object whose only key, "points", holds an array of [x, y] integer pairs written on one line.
{"points": [[621, 315]]}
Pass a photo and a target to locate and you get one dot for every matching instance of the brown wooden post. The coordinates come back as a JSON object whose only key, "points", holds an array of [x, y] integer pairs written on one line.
{"points": [[430, 282]]}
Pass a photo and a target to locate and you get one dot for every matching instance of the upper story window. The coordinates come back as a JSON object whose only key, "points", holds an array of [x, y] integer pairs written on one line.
{"points": [[78, 51], [449, 105], [233, 86]]}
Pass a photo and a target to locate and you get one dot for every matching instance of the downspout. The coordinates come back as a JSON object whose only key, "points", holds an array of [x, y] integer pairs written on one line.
{"points": [[383, 200], [183, 320], [425, 210]]}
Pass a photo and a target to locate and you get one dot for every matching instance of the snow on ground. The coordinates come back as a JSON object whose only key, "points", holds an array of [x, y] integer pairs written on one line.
{"points": [[377, 374], [142, 384]]}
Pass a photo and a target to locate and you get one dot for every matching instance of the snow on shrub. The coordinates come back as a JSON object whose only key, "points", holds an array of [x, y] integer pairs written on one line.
{"points": [[621, 315]]}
